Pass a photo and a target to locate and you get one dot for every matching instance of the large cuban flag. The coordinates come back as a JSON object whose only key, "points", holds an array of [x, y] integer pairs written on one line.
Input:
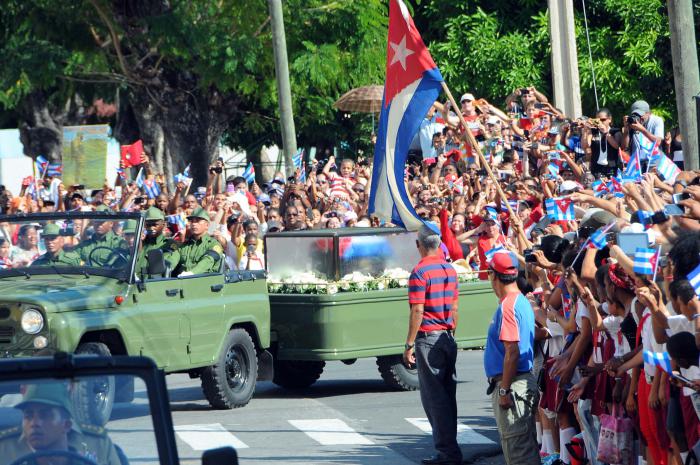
{"points": [[412, 86]]}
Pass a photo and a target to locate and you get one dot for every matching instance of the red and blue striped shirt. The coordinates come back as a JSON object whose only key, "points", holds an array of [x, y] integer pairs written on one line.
{"points": [[433, 283]]}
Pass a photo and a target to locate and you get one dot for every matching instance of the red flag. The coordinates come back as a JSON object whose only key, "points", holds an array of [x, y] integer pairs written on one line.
{"points": [[131, 154]]}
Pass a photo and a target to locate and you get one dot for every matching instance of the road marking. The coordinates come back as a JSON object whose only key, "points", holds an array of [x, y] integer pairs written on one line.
{"points": [[204, 437], [330, 432], [465, 434]]}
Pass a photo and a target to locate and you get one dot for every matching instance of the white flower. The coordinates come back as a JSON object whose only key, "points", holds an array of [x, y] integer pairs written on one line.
{"points": [[344, 285], [332, 289], [403, 282], [380, 285]]}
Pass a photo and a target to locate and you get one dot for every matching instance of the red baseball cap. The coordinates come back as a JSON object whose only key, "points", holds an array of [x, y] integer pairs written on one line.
{"points": [[504, 263]]}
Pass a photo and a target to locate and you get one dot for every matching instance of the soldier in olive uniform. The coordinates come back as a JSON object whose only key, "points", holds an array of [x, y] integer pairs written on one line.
{"points": [[48, 425], [104, 239], [201, 253], [55, 255], [154, 240], [129, 233]]}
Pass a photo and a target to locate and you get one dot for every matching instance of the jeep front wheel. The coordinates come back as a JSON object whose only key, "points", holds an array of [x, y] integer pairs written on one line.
{"points": [[396, 374], [230, 382], [296, 374], [93, 397]]}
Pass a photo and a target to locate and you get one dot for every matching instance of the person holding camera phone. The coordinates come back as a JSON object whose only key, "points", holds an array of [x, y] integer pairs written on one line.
{"points": [[639, 124], [601, 142]]}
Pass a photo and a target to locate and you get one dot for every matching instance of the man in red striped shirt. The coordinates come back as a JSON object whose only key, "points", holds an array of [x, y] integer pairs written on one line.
{"points": [[430, 344]]}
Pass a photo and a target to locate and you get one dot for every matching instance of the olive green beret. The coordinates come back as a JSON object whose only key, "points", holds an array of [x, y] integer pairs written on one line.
{"points": [[129, 227]]}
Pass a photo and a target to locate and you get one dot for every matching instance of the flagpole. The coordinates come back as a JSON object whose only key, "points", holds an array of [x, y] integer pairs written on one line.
{"points": [[656, 263], [475, 145]]}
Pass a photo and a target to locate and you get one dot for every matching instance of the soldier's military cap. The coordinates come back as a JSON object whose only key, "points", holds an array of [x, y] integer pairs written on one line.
{"points": [[51, 230], [53, 394], [129, 227], [102, 208], [200, 213], [154, 214]]}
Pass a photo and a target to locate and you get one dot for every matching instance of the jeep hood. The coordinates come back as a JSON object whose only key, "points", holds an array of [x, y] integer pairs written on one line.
{"points": [[61, 294]]}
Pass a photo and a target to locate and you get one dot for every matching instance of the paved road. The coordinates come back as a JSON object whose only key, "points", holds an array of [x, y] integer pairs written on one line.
{"points": [[348, 417]]}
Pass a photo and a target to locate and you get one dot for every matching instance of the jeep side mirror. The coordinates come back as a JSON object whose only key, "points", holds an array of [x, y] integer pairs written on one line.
{"points": [[220, 456], [156, 263]]}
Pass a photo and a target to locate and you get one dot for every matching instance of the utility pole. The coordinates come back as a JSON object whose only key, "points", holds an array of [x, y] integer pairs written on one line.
{"points": [[685, 76], [565, 79], [284, 93]]}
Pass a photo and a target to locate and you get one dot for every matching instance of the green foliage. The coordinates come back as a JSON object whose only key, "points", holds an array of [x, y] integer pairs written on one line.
{"points": [[491, 48]]}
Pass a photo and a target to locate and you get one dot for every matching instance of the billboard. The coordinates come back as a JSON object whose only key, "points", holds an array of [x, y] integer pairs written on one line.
{"points": [[85, 155]]}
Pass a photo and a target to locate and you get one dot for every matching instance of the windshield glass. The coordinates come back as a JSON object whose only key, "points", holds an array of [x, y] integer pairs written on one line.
{"points": [[64, 422], [67, 244]]}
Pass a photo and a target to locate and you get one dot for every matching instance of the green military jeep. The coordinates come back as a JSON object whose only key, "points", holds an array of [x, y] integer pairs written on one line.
{"points": [[68, 283]]}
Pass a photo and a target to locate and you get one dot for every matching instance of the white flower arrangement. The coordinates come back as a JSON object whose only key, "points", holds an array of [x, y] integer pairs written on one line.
{"points": [[393, 278]]}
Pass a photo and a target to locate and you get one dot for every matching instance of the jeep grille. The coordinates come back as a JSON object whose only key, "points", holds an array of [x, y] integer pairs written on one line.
{"points": [[6, 334], [4, 313]]}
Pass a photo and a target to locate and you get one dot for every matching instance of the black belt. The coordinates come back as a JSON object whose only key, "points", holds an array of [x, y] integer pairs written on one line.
{"points": [[435, 333]]}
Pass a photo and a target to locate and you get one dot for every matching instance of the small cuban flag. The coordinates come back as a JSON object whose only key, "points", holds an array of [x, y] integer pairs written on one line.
{"points": [[297, 159], [647, 148], [659, 359], [302, 173], [121, 173], [645, 260], [492, 213], [152, 188], [178, 220], [514, 204], [599, 188], [140, 178], [490, 253], [249, 173], [553, 169], [184, 177], [560, 208], [633, 170], [694, 278], [645, 218], [667, 169], [598, 239]]}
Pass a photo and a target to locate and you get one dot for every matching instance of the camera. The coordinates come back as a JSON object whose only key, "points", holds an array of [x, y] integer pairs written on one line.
{"points": [[634, 119], [481, 172], [677, 198], [138, 200], [540, 106], [524, 91], [529, 257], [659, 217]]}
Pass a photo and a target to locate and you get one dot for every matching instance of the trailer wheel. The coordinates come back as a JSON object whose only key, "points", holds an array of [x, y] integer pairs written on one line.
{"points": [[230, 382], [395, 374], [297, 374], [93, 397]]}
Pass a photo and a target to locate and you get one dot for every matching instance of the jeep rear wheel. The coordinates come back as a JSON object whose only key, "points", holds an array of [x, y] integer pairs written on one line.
{"points": [[297, 374], [395, 374], [93, 398], [230, 382]]}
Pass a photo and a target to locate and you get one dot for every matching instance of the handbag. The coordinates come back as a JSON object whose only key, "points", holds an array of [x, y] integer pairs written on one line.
{"points": [[615, 440]]}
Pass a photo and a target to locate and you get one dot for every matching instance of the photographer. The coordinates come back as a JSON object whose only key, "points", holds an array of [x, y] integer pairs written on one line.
{"points": [[601, 142], [640, 123]]}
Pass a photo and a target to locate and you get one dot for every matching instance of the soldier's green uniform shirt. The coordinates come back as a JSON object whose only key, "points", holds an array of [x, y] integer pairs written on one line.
{"points": [[169, 247], [93, 443], [109, 240], [61, 258], [201, 256]]}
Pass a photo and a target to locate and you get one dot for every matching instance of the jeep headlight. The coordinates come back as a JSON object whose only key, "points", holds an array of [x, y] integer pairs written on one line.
{"points": [[32, 321]]}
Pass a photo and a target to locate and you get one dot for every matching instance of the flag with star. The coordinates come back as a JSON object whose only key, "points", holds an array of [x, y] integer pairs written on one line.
{"points": [[413, 84]]}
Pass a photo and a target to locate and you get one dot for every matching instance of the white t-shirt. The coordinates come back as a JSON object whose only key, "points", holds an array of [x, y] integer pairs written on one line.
{"points": [[427, 129], [680, 324], [655, 125], [649, 343]]}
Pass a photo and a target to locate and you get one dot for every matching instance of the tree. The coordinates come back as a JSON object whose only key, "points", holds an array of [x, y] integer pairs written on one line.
{"points": [[491, 48]]}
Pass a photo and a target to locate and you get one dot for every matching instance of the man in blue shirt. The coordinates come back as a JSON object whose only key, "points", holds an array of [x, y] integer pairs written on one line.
{"points": [[508, 362]]}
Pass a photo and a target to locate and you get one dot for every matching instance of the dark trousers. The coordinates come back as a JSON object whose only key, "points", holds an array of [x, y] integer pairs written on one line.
{"points": [[436, 355]]}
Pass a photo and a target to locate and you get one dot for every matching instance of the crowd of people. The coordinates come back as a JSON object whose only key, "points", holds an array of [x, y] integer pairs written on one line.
{"points": [[599, 211]]}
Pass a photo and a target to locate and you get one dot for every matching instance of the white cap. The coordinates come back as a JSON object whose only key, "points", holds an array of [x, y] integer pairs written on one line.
{"points": [[467, 96], [493, 120], [569, 186]]}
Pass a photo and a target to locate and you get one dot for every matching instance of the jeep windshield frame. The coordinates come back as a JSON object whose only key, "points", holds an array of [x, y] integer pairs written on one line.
{"points": [[124, 273], [69, 367]]}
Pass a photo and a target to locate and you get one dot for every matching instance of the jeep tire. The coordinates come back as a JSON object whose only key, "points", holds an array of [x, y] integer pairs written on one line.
{"points": [[396, 374], [93, 398], [230, 382], [297, 374]]}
